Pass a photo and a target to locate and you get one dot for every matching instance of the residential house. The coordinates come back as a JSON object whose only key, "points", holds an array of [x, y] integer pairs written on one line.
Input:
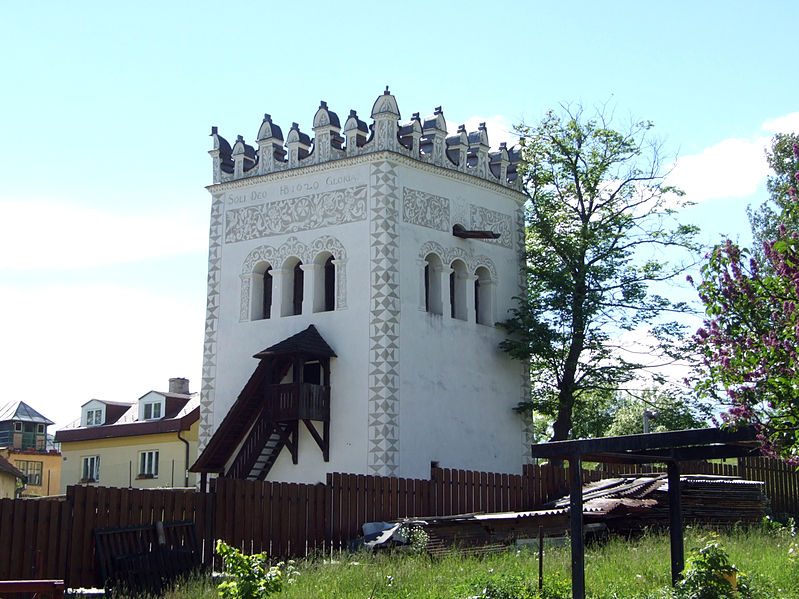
{"points": [[147, 444], [24, 443]]}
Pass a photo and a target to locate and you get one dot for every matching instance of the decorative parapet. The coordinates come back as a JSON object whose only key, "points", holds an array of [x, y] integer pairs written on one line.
{"points": [[425, 140]]}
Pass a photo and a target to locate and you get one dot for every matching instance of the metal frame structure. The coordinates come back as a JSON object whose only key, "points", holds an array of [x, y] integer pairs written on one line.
{"points": [[670, 448]]}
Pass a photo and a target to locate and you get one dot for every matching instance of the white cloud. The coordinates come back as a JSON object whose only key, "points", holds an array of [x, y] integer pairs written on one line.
{"points": [[732, 168], [40, 234], [68, 344], [784, 124]]}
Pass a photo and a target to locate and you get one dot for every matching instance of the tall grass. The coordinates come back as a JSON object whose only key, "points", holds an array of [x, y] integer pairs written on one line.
{"points": [[616, 569]]}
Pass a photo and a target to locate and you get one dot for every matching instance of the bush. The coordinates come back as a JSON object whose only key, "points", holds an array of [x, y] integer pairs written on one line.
{"points": [[249, 576], [709, 574]]}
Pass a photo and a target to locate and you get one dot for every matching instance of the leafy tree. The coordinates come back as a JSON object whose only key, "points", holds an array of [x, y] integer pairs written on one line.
{"points": [[750, 337], [597, 216], [674, 413], [765, 221]]}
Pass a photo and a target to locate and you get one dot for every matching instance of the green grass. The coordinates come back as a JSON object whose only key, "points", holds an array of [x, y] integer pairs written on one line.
{"points": [[616, 569]]}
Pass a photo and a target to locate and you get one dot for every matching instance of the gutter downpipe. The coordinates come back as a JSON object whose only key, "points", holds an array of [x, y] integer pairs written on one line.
{"points": [[186, 468]]}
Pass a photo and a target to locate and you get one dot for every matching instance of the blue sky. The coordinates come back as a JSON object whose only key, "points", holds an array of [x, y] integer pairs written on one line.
{"points": [[107, 110]]}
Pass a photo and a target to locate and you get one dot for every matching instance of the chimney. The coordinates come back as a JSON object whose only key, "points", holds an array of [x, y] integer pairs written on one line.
{"points": [[179, 385]]}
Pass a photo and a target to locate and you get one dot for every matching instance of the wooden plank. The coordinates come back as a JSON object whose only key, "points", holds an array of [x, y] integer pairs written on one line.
{"points": [[24, 540], [39, 535], [76, 497], [301, 526], [382, 499], [402, 496], [64, 524], [49, 535], [334, 507], [372, 498], [447, 490], [284, 508], [484, 490], [6, 530]]}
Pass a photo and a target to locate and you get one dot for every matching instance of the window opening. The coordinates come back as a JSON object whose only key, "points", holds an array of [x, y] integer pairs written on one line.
{"points": [[91, 469], [483, 309], [452, 294], [457, 290], [148, 464], [432, 284], [427, 288], [94, 417], [330, 285], [293, 299], [152, 411], [267, 292], [312, 373], [31, 469]]}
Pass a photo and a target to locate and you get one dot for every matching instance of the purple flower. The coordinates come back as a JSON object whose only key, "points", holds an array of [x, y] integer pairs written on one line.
{"points": [[795, 150], [690, 279]]}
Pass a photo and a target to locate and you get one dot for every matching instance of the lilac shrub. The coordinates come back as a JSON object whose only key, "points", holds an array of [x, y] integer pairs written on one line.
{"points": [[750, 336]]}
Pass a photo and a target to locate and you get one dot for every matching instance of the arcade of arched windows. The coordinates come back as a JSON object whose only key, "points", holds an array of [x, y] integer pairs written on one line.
{"points": [[293, 279], [458, 285]]}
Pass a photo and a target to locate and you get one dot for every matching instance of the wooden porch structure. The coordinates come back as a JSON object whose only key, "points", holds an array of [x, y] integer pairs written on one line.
{"points": [[670, 447], [291, 384]]}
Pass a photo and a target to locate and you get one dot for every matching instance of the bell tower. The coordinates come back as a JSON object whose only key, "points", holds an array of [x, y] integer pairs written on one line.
{"points": [[354, 283]]}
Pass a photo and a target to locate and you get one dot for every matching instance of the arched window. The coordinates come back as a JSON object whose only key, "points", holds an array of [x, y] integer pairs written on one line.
{"points": [[261, 292], [432, 284], [457, 290], [292, 287], [267, 291], [324, 283], [483, 297]]}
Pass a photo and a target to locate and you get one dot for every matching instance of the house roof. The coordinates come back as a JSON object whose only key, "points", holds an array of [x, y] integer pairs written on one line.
{"points": [[19, 410], [180, 422], [5, 466], [308, 342]]}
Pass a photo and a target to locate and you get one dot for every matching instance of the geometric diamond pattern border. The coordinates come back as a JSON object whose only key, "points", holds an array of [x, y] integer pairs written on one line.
{"points": [[384, 302], [211, 323], [528, 433]]}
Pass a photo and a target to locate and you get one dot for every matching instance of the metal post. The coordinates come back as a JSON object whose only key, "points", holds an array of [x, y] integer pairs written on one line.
{"points": [[576, 509], [675, 523]]}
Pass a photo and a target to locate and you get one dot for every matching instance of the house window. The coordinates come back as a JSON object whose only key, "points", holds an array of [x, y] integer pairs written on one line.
{"points": [[148, 464], [17, 427], [40, 428], [90, 469], [152, 411], [94, 417], [31, 469]]}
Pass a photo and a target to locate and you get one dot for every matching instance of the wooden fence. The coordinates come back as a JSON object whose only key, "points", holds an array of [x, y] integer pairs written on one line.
{"points": [[53, 537]]}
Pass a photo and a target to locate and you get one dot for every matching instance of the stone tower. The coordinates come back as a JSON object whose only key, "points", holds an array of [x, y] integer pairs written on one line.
{"points": [[354, 280]]}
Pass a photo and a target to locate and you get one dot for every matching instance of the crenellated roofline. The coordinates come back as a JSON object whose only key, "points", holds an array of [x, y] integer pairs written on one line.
{"points": [[424, 140]]}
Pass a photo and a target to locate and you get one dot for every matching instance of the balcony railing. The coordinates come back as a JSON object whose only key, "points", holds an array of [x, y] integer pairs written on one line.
{"points": [[295, 401]]}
